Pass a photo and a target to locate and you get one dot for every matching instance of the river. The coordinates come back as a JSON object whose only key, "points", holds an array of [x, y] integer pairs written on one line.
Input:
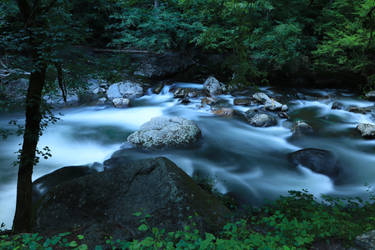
{"points": [[247, 161]]}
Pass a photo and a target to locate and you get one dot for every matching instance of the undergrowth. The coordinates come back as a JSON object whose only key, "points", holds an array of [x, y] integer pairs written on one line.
{"points": [[296, 221]]}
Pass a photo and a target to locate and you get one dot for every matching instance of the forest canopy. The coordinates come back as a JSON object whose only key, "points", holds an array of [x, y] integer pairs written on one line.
{"points": [[259, 37]]}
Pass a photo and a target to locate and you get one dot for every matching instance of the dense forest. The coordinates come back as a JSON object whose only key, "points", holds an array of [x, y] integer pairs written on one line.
{"points": [[303, 69]]}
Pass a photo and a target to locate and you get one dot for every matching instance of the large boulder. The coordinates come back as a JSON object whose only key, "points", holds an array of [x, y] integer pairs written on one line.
{"points": [[105, 203], [43, 184], [367, 130], [318, 160], [124, 90], [162, 132], [213, 86]]}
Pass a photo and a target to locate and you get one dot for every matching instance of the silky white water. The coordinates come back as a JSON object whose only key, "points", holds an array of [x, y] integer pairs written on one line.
{"points": [[251, 163]]}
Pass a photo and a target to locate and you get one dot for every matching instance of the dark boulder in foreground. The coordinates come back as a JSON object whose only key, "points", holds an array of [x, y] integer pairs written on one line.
{"points": [[104, 203], [318, 160], [43, 184]]}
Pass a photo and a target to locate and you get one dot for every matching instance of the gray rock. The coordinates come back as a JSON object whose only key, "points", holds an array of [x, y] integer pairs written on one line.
{"points": [[102, 101], [242, 101], [113, 92], [163, 132], [124, 90], [367, 130], [121, 102], [371, 95], [269, 103], [318, 160], [366, 240], [261, 97], [103, 204], [213, 86], [272, 105], [302, 128], [260, 119]]}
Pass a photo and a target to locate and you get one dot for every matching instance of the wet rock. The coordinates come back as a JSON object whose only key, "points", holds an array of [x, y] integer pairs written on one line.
{"points": [[273, 105], [260, 119], [103, 204], [213, 86], [302, 128], [157, 90], [284, 108], [124, 90], [283, 115], [360, 110], [242, 101], [367, 130], [207, 101], [185, 101], [163, 132], [227, 112], [261, 97], [318, 160], [45, 183], [102, 101], [121, 102], [337, 105], [370, 95], [269, 103], [366, 240]]}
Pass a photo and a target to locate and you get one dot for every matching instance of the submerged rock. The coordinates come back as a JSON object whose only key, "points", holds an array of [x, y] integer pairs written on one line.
{"points": [[318, 160], [213, 86], [367, 130], [102, 204], [337, 105], [361, 110], [163, 132], [242, 101], [301, 128], [227, 112]]}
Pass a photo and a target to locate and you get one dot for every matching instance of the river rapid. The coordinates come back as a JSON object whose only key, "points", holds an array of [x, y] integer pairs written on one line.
{"points": [[249, 162]]}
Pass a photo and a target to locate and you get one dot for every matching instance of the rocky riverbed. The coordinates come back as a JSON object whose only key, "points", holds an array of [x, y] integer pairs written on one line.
{"points": [[254, 144]]}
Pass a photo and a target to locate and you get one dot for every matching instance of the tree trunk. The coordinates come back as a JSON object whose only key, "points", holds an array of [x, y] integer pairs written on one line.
{"points": [[22, 219]]}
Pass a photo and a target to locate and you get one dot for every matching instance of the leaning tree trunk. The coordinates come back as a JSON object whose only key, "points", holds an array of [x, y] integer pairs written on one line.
{"points": [[22, 219]]}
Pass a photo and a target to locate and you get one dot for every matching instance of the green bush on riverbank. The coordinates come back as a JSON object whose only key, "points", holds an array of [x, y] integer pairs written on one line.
{"points": [[297, 221]]}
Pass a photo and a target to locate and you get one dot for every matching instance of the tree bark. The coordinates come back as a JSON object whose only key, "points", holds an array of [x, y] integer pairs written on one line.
{"points": [[22, 219]]}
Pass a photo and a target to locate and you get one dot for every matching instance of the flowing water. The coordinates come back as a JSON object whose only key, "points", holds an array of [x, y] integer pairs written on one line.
{"points": [[249, 162]]}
